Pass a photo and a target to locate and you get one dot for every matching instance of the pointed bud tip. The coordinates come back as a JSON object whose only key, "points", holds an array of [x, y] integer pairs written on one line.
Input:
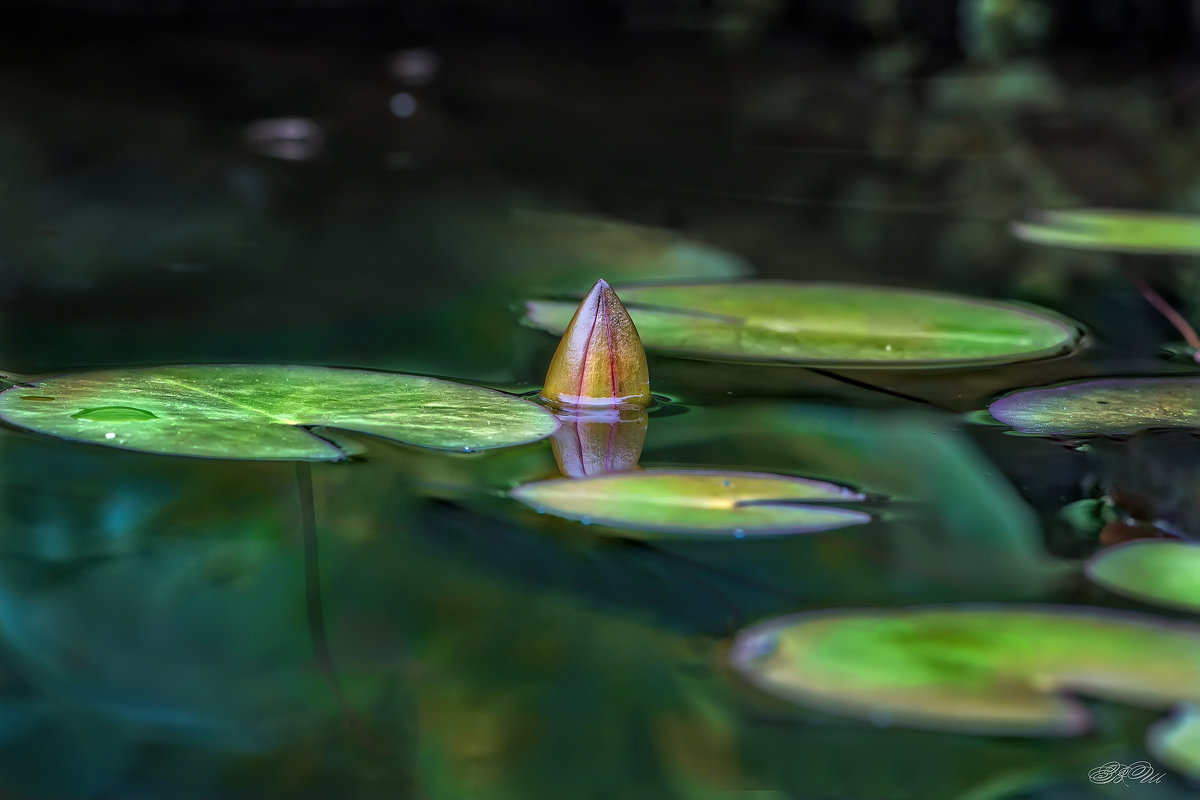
{"points": [[600, 360]]}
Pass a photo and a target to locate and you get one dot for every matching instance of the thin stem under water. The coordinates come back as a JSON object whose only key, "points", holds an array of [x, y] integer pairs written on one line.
{"points": [[1177, 320], [315, 606]]}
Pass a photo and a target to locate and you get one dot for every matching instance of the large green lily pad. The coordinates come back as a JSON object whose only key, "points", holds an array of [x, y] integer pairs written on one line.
{"points": [[828, 324], [263, 411], [1112, 230], [991, 670], [697, 502], [1163, 573], [1104, 406]]}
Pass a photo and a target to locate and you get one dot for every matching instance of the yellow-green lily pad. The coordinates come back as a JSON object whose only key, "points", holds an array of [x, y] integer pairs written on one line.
{"points": [[1162, 573], [251, 411], [695, 502], [828, 324], [1103, 406], [1175, 741], [985, 670], [1112, 230]]}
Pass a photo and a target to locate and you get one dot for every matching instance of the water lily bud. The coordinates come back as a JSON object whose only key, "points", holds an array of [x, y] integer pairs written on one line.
{"points": [[600, 442], [600, 360]]}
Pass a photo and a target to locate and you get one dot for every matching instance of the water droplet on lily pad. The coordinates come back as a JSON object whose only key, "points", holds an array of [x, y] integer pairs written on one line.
{"points": [[1103, 406], [1161, 573], [253, 411], [1112, 230], [699, 503], [114, 414], [972, 669], [826, 324]]}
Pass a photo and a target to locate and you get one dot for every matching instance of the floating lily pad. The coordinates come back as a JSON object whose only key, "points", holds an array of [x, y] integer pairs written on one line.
{"points": [[1162, 573], [828, 324], [697, 502], [1175, 741], [1105, 406], [569, 251], [263, 411], [972, 669], [1112, 230]]}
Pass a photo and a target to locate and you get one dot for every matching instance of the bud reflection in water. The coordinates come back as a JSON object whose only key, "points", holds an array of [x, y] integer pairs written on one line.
{"points": [[599, 441]]}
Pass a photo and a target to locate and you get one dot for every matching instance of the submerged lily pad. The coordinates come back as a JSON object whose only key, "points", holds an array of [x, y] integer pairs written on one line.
{"points": [[1175, 741], [1112, 230], [1163, 573], [1104, 406], [697, 502], [985, 670], [828, 324], [263, 411]]}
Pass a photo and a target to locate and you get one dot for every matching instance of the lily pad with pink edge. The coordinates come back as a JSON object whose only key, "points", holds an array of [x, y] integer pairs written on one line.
{"points": [[698, 503], [1102, 406]]}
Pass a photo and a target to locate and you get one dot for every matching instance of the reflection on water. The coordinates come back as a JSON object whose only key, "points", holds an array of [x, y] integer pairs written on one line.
{"points": [[157, 634], [599, 442]]}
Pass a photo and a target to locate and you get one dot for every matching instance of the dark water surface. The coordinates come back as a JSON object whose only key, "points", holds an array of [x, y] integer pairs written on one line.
{"points": [[167, 630]]}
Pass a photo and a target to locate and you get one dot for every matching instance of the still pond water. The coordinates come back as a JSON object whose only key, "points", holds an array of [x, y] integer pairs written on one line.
{"points": [[395, 625]]}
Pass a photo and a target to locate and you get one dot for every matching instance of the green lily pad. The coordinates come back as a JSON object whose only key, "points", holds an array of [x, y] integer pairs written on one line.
{"points": [[1175, 741], [1163, 573], [828, 324], [1115, 231], [1104, 406], [985, 670], [263, 411], [697, 502], [567, 252]]}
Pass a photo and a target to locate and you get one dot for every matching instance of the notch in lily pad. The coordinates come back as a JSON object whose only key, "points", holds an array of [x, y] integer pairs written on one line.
{"points": [[828, 325], [267, 412], [981, 670], [697, 503]]}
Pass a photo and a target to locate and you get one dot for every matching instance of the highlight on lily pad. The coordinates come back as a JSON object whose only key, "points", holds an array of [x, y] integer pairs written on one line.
{"points": [[972, 669], [1112, 230], [829, 324], [1102, 406], [698, 503], [250, 411], [1175, 741], [1161, 573]]}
